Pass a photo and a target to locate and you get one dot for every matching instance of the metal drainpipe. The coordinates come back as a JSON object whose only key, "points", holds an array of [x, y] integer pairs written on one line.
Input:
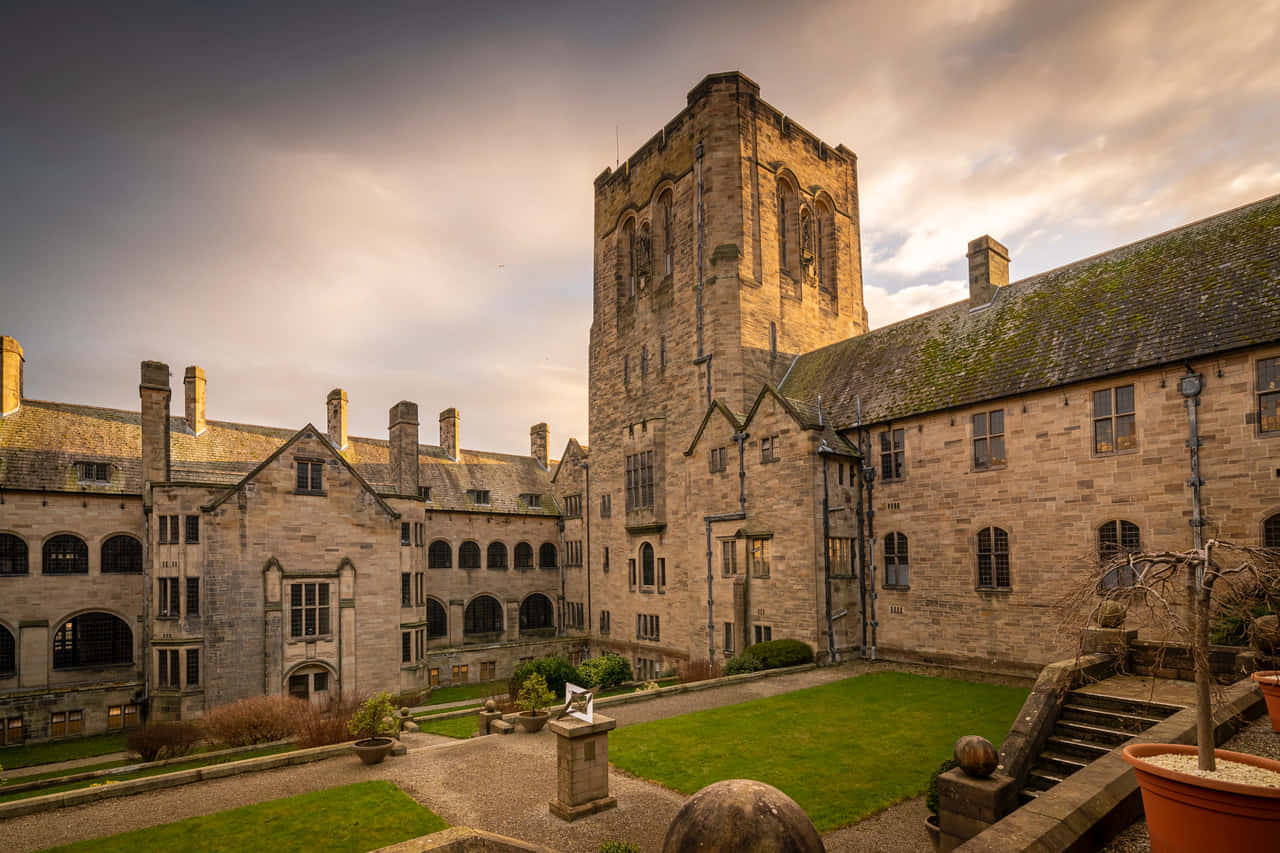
{"points": [[864, 447], [586, 523], [823, 452], [697, 152], [869, 473], [148, 553], [560, 524]]}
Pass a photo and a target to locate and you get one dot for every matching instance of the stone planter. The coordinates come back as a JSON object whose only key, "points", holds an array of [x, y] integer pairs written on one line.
{"points": [[1188, 814], [935, 831], [373, 750], [1269, 681], [532, 722]]}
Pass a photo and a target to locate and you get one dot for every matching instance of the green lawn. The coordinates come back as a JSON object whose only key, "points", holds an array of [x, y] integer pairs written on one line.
{"points": [[196, 761], [843, 750], [467, 691], [459, 727], [13, 757], [352, 818], [53, 774]]}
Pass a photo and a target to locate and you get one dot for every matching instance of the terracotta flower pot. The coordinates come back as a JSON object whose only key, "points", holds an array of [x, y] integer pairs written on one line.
{"points": [[934, 830], [532, 722], [1188, 814], [1269, 681], [373, 750]]}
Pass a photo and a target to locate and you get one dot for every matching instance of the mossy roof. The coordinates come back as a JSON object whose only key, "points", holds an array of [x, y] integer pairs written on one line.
{"points": [[1208, 287]]}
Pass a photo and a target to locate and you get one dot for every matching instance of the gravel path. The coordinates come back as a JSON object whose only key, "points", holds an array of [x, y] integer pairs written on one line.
{"points": [[500, 784], [1257, 738]]}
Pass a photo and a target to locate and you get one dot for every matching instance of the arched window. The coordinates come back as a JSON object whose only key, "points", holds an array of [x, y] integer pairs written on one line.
{"points": [[536, 612], [482, 616], [524, 556], [788, 243], [13, 555], [646, 565], [627, 260], [644, 255], [896, 565], [1271, 532], [824, 247], [469, 556], [92, 639], [547, 556], [1115, 538], [122, 555], [66, 555], [439, 555], [8, 653], [806, 242], [993, 558], [437, 620], [666, 223], [497, 555]]}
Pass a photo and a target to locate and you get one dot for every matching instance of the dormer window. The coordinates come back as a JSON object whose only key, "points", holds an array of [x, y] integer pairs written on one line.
{"points": [[531, 499], [94, 472], [424, 492], [310, 476], [479, 496]]}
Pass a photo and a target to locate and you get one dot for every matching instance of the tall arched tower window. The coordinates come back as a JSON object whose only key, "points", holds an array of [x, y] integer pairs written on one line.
{"points": [[824, 246], [788, 229], [628, 248], [668, 239]]}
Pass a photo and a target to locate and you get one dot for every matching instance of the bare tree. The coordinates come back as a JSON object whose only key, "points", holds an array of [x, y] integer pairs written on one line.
{"points": [[1181, 592]]}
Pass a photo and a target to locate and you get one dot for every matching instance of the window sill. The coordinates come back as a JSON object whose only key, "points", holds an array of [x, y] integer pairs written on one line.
{"points": [[106, 572], [549, 568], [319, 494], [165, 617], [313, 638], [997, 589], [15, 574], [897, 586], [988, 469], [65, 574]]}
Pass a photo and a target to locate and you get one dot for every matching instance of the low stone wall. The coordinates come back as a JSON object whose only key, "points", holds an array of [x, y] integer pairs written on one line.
{"points": [[1173, 660], [1092, 805], [80, 796]]}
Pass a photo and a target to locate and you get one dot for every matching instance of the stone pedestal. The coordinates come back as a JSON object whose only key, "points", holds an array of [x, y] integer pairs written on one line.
{"points": [[486, 718], [1108, 641], [582, 767], [967, 806]]}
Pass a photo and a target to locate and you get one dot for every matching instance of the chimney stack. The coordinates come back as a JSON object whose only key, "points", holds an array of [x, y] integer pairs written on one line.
{"points": [[449, 437], [403, 426], [538, 440], [988, 270], [194, 382], [10, 375], [336, 407], [155, 393]]}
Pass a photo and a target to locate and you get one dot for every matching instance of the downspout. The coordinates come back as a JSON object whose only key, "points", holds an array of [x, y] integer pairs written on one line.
{"points": [[697, 153], [823, 451], [862, 545], [560, 524], [869, 474], [586, 523], [147, 516]]}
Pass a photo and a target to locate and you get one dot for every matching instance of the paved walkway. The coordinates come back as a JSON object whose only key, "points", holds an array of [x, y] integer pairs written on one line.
{"points": [[498, 783], [70, 765]]}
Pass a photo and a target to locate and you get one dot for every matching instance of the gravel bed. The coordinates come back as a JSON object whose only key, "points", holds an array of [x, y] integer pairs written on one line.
{"points": [[1257, 738], [1224, 771]]}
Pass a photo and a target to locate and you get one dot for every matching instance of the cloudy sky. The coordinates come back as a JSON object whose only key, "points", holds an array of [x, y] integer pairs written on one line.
{"points": [[396, 198]]}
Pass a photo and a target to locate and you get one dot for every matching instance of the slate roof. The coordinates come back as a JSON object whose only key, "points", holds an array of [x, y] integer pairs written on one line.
{"points": [[42, 441], [1208, 287]]}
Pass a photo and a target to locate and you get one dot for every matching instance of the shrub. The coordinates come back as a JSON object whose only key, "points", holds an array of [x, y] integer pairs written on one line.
{"points": [[534, 695], [605, 671], [698, 670], [931, 796], [555, 670], [742, 663], [155, 741], [618, 847], [257, 720], [374, 718], [773, 654], [323, 725]]}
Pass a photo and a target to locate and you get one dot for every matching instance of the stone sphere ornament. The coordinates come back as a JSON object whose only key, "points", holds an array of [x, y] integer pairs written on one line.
{"points": [[742, 814], [1111, 614], [976, 756], [1266, 634], [490, 706]]}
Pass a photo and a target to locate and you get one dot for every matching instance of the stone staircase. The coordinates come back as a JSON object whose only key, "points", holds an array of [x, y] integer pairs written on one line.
{"points": [[1089, 726]]}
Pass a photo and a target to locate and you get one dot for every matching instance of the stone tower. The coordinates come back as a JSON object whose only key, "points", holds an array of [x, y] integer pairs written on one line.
{"points": [[723, 247]]}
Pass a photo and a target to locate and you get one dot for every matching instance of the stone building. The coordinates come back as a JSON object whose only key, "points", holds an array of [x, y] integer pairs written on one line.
{"points": [[759, 464]]}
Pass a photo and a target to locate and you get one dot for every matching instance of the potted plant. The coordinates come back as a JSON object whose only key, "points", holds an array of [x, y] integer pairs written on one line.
{"points": [[373, 723], [1191, 802], [931, 802], [534, 700]]}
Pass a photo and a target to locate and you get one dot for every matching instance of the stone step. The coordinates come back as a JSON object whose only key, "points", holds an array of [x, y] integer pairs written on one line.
{"points": [[1042, 780], [501, 727], [1117, 720], [1136, 707], [1026, 795], [1062, 764], [1076, 748], [1100, 735]]}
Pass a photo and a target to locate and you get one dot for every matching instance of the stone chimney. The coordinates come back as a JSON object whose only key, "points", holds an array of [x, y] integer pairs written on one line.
{"points": [[538, 440], [156, 395], [10, 375], [336, 408], [403, 427], [450, 439], [194, 383], [988, 270]]}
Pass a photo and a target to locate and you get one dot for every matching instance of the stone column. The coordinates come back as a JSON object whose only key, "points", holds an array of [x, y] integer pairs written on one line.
{"points": [[582, 767]]}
